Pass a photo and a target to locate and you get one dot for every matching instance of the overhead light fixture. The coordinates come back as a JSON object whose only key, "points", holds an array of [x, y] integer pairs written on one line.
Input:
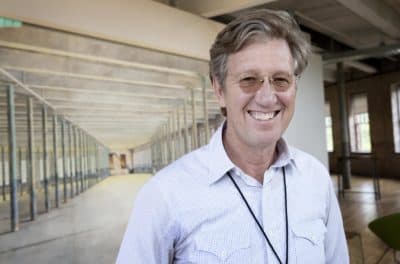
{"points": [[10, 23]]}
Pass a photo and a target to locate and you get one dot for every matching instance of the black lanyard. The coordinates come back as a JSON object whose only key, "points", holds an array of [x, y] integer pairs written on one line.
{"points": [[258, 223]]}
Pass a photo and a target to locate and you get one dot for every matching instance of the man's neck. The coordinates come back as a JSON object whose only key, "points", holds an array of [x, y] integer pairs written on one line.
{"points": [[253, 161]]}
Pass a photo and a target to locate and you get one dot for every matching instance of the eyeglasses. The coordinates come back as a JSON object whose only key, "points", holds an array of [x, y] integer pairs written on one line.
{"points": [[279, 82]]}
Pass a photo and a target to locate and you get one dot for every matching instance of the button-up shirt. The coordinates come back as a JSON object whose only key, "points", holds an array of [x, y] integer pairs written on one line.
{"points": [[190, 212]]}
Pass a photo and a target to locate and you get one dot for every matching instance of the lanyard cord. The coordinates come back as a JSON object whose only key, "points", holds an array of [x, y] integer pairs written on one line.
{"points": [[258, 223]]}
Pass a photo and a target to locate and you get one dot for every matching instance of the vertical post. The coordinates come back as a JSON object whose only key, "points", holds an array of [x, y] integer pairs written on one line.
{"points": [[168, 141], [178, 131], [173, 137], [159, 148], [194, 123], [77, 173], [12, 150], [96, 161], [81, 160], [87, 160], [346, 170], [45, 159], [71, 169], [88, 156], [185, 124], [85, 170], [31, 162], [55, 156], [205, 109], [64, 161], [19, 181], [3, 172], [165, 146]]}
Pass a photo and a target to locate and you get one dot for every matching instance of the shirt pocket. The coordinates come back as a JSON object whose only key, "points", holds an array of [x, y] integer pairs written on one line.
{"points": [[309, 241], [223, 248]]}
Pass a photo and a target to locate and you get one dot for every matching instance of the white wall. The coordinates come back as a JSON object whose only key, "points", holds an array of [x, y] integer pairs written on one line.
{"points": [[307, 129]]}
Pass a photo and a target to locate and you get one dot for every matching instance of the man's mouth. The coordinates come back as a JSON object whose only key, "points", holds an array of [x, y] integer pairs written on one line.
{"points": [[263, 116]]}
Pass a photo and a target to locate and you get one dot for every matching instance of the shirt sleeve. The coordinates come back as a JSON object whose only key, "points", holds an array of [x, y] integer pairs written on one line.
{"points": [[335, 242], [149, 235]]}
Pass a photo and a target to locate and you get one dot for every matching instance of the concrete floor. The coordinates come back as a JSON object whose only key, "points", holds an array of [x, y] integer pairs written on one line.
{"points": [[87, 229]]}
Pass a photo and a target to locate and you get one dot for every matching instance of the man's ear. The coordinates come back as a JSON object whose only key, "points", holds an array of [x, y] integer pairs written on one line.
{"points": [[219, 91]]}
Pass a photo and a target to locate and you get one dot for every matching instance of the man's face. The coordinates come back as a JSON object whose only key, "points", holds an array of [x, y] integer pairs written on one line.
{"points": [[257, 117]]}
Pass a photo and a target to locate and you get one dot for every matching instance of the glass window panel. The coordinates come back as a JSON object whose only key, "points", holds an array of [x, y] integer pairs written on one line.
{"points": [[328, 127], [396, 116], [359, 124]]}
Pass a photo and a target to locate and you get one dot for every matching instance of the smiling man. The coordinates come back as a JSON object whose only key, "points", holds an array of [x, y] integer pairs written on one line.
{"points": [[246, 197]]}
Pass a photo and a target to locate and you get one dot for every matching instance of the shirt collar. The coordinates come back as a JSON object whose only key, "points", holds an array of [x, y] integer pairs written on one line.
{"points": [[219, 163], [285, 154]]}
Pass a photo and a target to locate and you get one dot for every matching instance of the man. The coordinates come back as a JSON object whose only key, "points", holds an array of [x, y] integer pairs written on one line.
{"points": [[246, 197]]}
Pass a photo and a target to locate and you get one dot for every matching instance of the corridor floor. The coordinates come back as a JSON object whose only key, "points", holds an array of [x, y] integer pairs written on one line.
{"points": [[87, 229]]}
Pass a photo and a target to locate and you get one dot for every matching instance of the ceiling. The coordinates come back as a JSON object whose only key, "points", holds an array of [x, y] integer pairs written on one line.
{"points": [[124, 94]]}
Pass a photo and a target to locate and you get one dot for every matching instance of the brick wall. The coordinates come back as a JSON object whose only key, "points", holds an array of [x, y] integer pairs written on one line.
{"points": [[378, 89]]}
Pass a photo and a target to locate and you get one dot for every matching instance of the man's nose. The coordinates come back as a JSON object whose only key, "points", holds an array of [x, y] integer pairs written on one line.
{"points": [[266, 94]]}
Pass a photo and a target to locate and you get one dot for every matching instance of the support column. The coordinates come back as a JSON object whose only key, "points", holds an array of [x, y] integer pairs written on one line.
{"points": [[185, 124], [77, 174], [64, 159], [194, 123], [166, 144], [173, 138], [179, 134], [71, 168], [45, 159], [96, 160], [87, 160], [205, 110], [89, 155], [346, 169], [168, 137], [3, 173], [19, 181], [55, 156], [12, 150], [31, 162], [81, 160]]}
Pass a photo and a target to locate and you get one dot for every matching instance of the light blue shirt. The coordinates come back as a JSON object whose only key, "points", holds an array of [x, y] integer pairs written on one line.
{"points": [[190, 212]]}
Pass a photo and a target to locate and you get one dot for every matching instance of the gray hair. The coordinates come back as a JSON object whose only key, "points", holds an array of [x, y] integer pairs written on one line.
{"points": [[254, 26]]}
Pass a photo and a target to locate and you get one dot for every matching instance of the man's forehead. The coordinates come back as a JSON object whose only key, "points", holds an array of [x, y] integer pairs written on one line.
{"points": [[262, 56]]}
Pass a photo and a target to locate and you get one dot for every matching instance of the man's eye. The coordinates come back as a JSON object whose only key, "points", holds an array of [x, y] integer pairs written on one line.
{"points": [[248, 79], [280, 81]]}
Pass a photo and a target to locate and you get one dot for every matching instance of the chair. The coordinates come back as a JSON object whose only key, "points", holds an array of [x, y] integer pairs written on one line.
{"points": [[387, 228]]}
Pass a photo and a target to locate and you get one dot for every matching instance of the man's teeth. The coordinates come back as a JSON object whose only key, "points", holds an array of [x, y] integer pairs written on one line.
{"points": [[262, 116]]}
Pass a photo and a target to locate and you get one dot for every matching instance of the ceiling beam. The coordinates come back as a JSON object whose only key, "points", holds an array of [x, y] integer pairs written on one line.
{"points": [[354, 55], [317, 26], [65, 90], [93, 77], [96, 59], [377, 13], [135, 19], [212, 8]]}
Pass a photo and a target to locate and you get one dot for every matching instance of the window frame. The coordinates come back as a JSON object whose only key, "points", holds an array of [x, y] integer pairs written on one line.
{"points": [[395, 89], [355, 126]]}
